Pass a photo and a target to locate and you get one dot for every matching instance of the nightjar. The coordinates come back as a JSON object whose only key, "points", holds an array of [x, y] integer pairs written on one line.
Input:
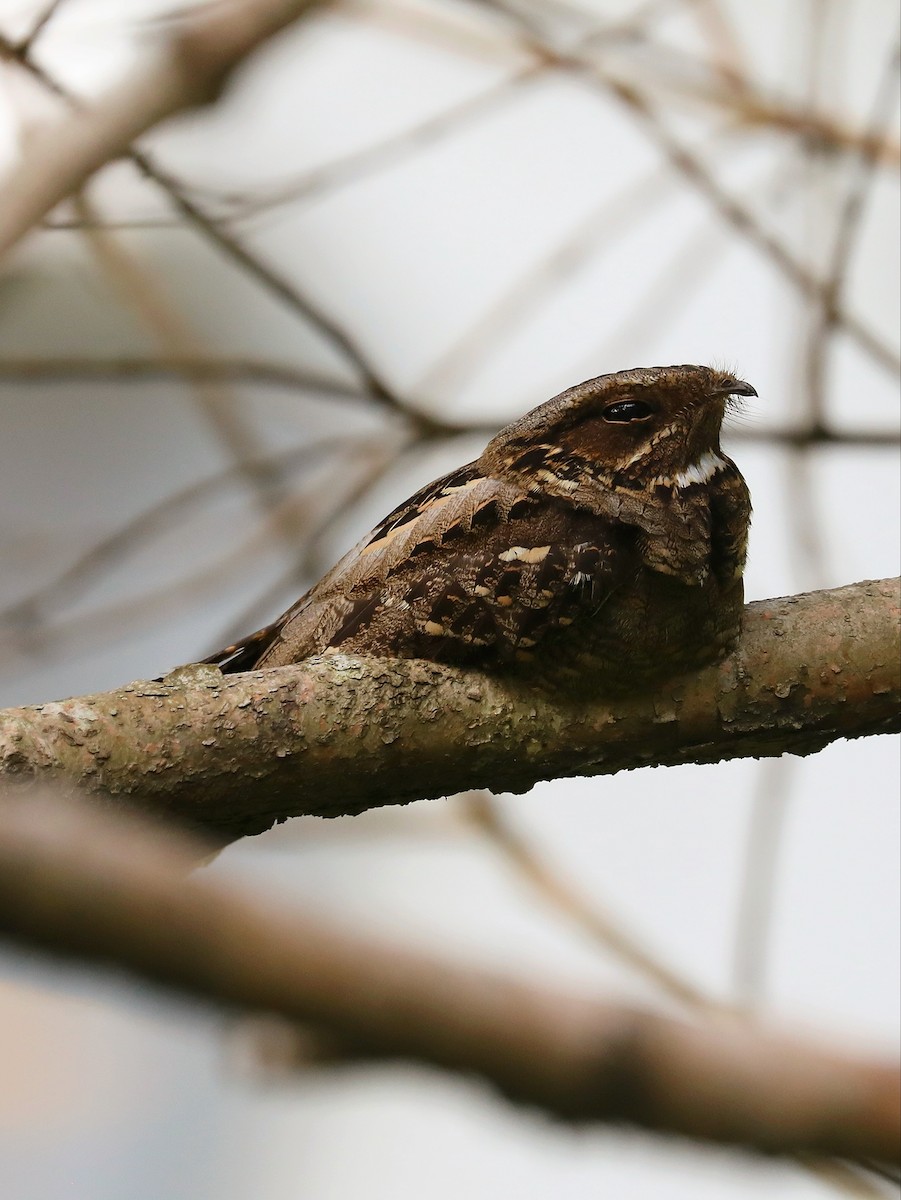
{"points": [[596, 544]]}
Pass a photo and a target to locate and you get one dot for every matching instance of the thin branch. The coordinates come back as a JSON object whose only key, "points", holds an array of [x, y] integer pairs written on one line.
{"points": [[337, 500], [27, 627], [727, 57], [141, 529], [742, 219], [274, 281], [531, 287], [846, 234], [361, 164], [683, 158], [64, 369], [663, 69], [219, 406], [862, 179], [769, 807], [126, 367], [733, 90], [51, 7], [189, 68], [105, 890], [44, 176], [484, 813], [203, 579], [609, 932]]}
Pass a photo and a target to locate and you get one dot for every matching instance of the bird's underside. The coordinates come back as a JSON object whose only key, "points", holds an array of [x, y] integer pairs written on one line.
{"points": [[537, 558]]}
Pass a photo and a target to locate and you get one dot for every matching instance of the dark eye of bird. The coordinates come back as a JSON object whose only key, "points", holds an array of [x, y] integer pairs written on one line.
{"points": [[627, 410]]}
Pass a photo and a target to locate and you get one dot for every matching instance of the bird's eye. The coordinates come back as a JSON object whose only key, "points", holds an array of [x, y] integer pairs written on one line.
{"points": [[627, 410]]}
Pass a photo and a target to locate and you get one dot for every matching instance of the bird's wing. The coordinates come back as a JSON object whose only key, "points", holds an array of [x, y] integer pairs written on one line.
{"points": [[348, 595]]}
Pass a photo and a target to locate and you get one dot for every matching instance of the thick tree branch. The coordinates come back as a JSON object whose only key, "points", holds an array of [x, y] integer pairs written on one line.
{"points": [[105, 889], [234, 754]]}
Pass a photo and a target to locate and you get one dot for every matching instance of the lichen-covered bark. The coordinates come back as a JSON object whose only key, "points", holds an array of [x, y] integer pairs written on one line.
{"points": [[338, 734]]}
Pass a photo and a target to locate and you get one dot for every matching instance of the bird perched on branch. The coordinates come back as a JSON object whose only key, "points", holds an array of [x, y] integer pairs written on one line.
{"points": [[598, 542]]}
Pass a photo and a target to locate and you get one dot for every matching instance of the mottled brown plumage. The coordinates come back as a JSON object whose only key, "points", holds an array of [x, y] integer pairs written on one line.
{"points": [[598, 542]]}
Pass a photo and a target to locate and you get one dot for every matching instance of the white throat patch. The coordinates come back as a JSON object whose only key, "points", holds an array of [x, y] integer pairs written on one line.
{"points": [[700, 472]]}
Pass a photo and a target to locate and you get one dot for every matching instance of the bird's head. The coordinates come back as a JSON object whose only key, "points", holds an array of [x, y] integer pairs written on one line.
{"points": [[626, 431]]}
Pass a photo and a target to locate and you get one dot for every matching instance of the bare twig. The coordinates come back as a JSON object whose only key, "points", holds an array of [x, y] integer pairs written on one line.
{"points": [[129, 537], [689, 164], [275, 282], [189, 68], [64, 369], [743, 221], [219, 406], [207, 368], [348, 487], [609, 932], [769, 807], [26, 623], [847, 228], [202, 579], [360, 164], [531, 287], [485, 814], [51, 7], [677, 75]]}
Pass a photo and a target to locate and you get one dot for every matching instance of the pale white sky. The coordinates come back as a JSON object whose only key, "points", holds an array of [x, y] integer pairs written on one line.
{"points": [[431, 260]]}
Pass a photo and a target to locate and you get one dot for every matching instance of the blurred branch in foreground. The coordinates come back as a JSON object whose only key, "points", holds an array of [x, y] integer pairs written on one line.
{"points": [[101, 888]]}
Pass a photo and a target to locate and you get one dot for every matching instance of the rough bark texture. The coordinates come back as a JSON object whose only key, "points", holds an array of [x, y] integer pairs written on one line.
{"points": [[338, 734]]}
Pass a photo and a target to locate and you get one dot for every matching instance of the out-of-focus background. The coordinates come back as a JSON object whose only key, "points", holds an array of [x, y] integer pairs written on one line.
{"points": [[406, 222]]}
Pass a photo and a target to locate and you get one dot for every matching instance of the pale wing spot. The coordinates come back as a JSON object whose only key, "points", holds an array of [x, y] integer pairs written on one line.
{"points": [[389, 537], [526, 554], [436, 502], [568, 485], [433, 629], [461, 487], [449, 492]]}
